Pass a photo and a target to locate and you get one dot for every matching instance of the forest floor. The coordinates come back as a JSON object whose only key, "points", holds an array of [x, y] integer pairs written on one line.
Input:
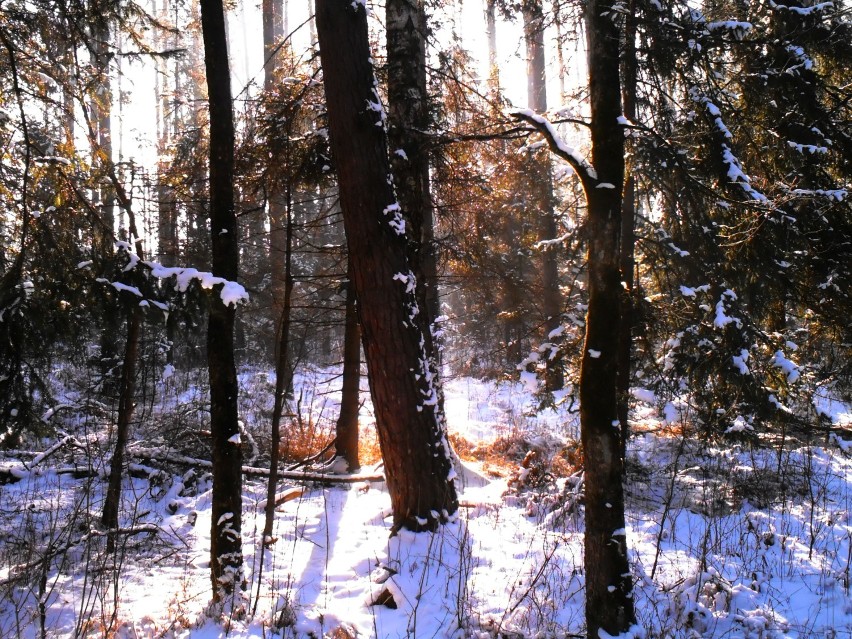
{"points": [[726, 540]]}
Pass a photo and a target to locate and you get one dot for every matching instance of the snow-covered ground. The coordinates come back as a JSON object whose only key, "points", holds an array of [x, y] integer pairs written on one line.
{"points": [[725, 541]]}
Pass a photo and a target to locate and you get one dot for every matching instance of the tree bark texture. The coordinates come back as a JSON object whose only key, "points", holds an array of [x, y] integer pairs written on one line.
{"points": [[410, 425], [408, 121], [225, 544], [609, 604]]}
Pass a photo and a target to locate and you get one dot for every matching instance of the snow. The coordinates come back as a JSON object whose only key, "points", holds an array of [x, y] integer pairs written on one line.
{"points": [[232, 293], [722, 319], [730, 25], [832, 194], [807, 148], [788, 367], [577, 159], [802, 11], [722, 544], [396, 221], [118, 286], [644, 395], [740, 425], [739, 362], [51, 159]]}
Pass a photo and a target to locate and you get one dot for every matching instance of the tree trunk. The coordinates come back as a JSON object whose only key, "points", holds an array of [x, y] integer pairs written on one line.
{"points": [[542, 184], [278, 208], [102, 145], [283, 380], [126, 397], [408, 120], [628, 238], [409, 422], [226, 557], [346, 432], [272, 31], [609, 604], [103, 197], [127, 384], [491, 30], [167, 239]]}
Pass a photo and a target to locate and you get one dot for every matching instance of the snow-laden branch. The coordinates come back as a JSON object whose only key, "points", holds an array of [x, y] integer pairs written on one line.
{"points": [[586, 172], [802, 11], [734, 172], [231, 293]]}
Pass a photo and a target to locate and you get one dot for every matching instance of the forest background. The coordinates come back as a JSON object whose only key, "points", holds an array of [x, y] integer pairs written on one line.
{"points": [[659, 255]]}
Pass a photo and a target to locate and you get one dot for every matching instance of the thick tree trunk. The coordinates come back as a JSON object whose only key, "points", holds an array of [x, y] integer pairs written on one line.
{"points": [[609, 604], [542, 184], [408, 121], [346, 432], [409, 423], [226, 557]]}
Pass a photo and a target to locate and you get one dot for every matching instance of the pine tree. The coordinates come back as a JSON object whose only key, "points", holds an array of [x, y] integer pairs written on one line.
{"points": [[408, 420]]}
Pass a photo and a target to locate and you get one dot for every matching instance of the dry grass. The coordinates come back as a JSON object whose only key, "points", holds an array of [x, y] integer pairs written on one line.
{"points": [[303, 439], [369, 453], [503, 456]]}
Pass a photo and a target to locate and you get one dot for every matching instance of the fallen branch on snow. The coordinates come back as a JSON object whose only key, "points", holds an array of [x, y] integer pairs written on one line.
{"points": [[166, 456]]}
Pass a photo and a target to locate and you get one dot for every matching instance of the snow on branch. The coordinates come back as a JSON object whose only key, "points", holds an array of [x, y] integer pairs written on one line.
{"points": [[802, 11], [734, 171], [558, 146], [737, 176], [231, 293]]}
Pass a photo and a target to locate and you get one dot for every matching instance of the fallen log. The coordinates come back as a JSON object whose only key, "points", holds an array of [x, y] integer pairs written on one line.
{"points": [[307, 476]]}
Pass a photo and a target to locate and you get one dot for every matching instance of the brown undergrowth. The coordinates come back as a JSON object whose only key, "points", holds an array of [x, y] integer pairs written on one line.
{"points": [[505, 455]]}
